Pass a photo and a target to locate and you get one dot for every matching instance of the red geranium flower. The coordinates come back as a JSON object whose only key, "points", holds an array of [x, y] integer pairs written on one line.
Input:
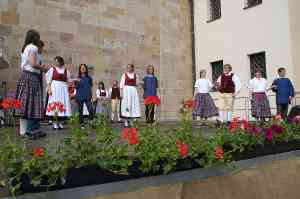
{"points": [[130, 135], [152, 100], [296, 120], [133, 137], [219, 153], [190, 104], [234, 124], [245, 125], [17, 104], [182, 148], [277, 129], [269, 134], [38, 152]]}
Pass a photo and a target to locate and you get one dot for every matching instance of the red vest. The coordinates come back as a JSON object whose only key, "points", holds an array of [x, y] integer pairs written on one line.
{"points": [[227, 84], [130, 82], [59, 77]]}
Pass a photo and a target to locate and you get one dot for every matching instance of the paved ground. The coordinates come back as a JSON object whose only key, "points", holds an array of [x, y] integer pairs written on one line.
{"points": [[55, 136]]}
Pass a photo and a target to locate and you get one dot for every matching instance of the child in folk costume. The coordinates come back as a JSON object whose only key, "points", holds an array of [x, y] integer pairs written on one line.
{"points": [[130, 104], [57, 85], [150, 84], [84, 93], [260, 105], [29, 91], [285, 92], [115, 96], [102, 96], [204, 104], [229, 85]]}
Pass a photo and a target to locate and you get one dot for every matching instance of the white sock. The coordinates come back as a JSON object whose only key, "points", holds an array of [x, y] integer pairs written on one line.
{"points": [[112, 116], [229, 116], [23, 126], [126, 122], [221, 116]]}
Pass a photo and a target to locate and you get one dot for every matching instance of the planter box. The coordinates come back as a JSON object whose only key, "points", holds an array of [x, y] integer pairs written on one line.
{"points": [[94, 175]]}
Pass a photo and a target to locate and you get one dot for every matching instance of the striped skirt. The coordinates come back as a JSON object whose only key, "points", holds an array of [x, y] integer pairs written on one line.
{"points": [[29, 92], [260, 106], [205, 106]]}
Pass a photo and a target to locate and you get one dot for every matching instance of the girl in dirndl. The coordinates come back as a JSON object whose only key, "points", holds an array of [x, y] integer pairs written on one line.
{"points": [[29, 88], [57, 79], [260, 106], [204, 104], [102, 97], [130, 104]]}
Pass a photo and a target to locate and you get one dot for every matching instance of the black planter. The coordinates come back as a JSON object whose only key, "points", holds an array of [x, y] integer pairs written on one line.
{"points": [[267, 149], [93, 175]]}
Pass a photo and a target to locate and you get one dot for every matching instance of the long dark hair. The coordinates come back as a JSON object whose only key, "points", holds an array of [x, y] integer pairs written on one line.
{"points": [[101, 83], [86, 69], [32, 37]]}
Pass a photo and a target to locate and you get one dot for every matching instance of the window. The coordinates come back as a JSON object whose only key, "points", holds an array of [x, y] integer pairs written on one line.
{"points": [[214, 10], [217, 69], [252, 3], [258, 62]]}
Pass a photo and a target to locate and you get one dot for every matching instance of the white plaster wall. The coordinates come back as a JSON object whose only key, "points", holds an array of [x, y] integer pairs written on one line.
{"points": [[241, 32]]}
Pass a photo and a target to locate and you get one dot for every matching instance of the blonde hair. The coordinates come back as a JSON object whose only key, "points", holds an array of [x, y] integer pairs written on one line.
{"points": [[150, 67]]}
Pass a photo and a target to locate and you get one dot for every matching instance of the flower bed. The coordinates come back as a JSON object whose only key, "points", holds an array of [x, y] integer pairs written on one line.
{"points": [[137, 152]]}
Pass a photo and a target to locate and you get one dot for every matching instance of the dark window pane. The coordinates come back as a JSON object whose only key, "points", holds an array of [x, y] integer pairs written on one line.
{"points": [[217, 69], [251, 3], [258, 62], [214, 9]]}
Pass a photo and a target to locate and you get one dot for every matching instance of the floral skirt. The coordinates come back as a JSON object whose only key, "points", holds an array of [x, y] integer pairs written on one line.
{"points": [[260, 106], [205, 106]]}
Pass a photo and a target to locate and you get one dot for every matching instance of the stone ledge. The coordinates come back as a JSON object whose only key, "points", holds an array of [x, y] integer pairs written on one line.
{"points": [[186, 178]]}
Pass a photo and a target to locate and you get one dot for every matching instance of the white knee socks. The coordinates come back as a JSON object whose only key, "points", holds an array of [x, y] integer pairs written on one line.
{"points": [[23, 126]]}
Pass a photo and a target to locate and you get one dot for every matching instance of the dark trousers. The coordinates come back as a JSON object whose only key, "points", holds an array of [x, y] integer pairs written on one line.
{"points": [[282, 109], [33, 126], [89, 106], [149, 112]]}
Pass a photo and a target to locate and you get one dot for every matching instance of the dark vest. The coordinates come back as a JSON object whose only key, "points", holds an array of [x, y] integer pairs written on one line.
{"points": [[227, 84], [115, 93]]}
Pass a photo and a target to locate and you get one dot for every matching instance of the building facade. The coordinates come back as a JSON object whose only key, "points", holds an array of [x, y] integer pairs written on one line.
{"points": [[107, 35], [247, 34]]}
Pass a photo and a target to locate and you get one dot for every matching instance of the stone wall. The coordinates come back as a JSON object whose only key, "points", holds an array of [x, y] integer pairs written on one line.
{"points": [[107, 35]]}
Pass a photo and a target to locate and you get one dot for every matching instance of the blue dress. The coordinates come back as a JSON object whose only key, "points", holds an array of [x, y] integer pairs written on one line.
{"points": [[284, 90], [150, 85]]}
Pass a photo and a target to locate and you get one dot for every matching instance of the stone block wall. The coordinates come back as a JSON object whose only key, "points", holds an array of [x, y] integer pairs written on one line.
{"points": [[107, 35]]}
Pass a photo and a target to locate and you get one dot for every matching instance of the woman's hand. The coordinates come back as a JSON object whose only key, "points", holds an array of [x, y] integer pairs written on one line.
{"points": [[49, 91]]}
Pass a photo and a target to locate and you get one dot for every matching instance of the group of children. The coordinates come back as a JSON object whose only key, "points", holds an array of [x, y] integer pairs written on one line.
{"points": [[229, 85]]}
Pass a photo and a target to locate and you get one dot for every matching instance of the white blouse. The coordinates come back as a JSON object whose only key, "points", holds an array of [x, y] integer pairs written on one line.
{"points": [[203, 86], [98, 92], [29, 51], [256, 85], [61, 70], [131, 76]]}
